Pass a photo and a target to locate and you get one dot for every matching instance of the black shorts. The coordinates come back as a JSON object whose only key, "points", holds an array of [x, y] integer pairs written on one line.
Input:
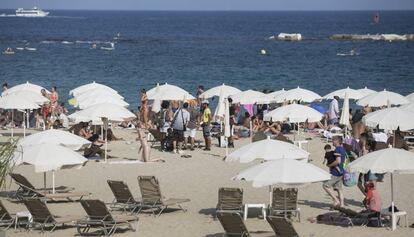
{"points": [[178, 135]]}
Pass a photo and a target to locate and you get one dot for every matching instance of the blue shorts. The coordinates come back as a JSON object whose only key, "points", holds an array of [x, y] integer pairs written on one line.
{"points": [[206, 131], [333, 121]]}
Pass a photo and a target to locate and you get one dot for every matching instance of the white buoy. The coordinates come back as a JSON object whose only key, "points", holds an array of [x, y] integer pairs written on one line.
{"points": [[263, 52]]}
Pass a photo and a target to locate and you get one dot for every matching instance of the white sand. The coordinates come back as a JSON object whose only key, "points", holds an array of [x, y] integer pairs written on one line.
{"points": [[199, 179]]}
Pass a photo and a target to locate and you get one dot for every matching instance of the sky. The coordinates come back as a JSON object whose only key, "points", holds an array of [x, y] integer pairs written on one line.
{"points": [[208, 5]]}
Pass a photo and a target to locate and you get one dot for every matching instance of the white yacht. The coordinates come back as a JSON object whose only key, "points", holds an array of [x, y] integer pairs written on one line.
{"points": [[34, 12]]}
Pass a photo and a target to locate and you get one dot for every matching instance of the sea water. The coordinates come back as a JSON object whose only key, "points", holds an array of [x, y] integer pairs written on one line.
{"points": [[206, 48]]}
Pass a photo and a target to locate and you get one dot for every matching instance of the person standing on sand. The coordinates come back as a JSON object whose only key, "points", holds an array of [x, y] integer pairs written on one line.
{"points": [[145, 149], [179, 125], [144, 107], [336, 168], [333, 111], [206, 120]]}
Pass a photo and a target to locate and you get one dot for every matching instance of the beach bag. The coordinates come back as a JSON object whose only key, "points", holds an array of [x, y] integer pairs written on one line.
{"points": [[349, 179]]}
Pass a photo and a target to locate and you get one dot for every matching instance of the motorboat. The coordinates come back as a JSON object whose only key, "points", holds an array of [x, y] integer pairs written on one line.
{"points": [[290, 37], [34, 12], [109, 48]]}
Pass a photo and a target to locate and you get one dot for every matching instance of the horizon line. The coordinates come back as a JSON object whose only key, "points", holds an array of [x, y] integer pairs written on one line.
{"points": [[220, 10]]}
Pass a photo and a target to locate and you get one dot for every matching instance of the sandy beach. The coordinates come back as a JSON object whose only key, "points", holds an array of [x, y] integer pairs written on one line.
{"points": [[199, 178]]}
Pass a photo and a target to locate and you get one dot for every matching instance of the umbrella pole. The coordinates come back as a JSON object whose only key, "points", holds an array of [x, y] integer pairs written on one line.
{"points": [[227, 146], [24, 125], [393, 227], [44, 181], [12, 123], [27, 118], [106, 146], [393, 139], [270, 195], [53, 182], [251, 132], [285, 202]]}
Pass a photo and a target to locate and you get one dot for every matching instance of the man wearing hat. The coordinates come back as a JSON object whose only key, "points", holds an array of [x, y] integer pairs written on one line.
{"points": [[206, 120]]}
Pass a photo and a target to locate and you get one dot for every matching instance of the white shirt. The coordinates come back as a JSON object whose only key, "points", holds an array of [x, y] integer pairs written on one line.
{"points": [[333, 109], [182, 116]]}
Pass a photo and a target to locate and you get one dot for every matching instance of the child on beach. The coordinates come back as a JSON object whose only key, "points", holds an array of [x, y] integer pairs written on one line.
{"points": [[329, 156]]}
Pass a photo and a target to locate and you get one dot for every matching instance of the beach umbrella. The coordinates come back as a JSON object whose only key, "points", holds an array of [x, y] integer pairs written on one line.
{"points": [[15, 101], [276, 93], [25, 87], [410, 97], [251, 97], [382, 98], [216, 91], [168, 92], [319, 108], [344, 120], [267, 149], [90, 87], [106, 112], [298, 94], [54, 136], [48, 157], [283, 173], [351, 93], [219, 112], [30, 96], [365, 91], [390, 119], [97, 92], [293, 113], [408, 107], [390, 160], [99, 99]]}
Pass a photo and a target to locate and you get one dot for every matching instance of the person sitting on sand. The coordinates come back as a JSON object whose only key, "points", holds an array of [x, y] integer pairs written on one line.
{"points": [[145, 149], [95, 148], [372, 201]]}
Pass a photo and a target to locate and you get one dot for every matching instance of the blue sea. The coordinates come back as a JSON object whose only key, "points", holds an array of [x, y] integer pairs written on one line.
{"points": [[206, 48]]}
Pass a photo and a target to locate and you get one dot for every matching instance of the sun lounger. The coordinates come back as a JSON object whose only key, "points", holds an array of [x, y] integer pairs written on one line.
{"points": [[233, 225], [354, 218], [152, 197], [123, 196], [25, 187], [101, 219], [285, 203], [27, 190], [282, 226], [230, 199], [43, 218], [6, 220]]}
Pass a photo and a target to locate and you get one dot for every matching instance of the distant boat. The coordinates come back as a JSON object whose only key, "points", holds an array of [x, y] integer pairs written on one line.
{"points": [[109, 48], [34, 12], [351, 53], [8, 51], [376, 18]]}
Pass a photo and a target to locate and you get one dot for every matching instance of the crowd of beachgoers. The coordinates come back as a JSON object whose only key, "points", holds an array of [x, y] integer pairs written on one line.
{"points": [[177, 125]]}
